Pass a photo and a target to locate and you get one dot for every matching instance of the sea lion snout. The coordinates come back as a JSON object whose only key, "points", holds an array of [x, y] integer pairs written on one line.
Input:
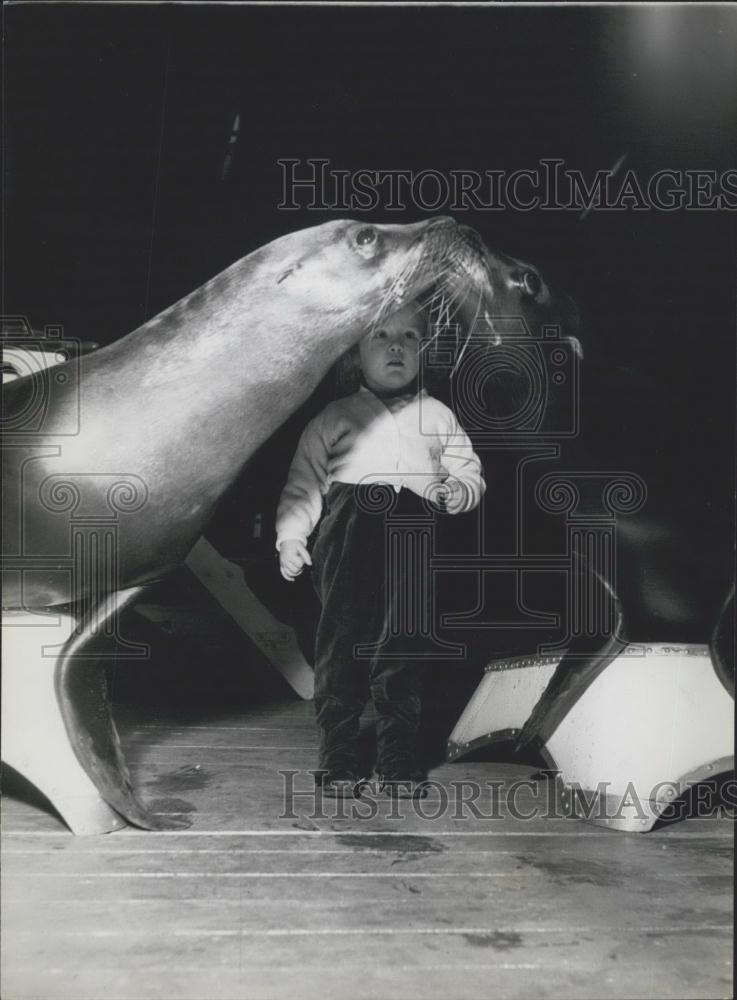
{"points": [[472, 239]]}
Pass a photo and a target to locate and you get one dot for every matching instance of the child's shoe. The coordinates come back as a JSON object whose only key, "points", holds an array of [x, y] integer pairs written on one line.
{"points": [[403, 783], [340, 784]]}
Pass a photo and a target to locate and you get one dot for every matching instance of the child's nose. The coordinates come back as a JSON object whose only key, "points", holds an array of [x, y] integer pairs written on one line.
{"points": [[396, 346]]}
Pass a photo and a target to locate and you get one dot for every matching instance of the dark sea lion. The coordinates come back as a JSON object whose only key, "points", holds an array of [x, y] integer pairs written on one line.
{"points": [[113, 466], [673, 576]]}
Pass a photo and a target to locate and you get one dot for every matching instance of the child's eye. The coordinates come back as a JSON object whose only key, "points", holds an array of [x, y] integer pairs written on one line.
{"points": [[411, 334], [380, 335]]}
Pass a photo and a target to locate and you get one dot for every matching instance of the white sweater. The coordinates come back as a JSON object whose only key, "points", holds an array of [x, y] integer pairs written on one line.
{"points": [[409, 441]]}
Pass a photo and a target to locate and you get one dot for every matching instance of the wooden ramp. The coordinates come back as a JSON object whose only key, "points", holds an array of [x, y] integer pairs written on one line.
{"points": [[266, 897]]}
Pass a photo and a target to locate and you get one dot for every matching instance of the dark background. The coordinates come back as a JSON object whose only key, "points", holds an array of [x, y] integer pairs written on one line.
{"points": [[117, 123]]}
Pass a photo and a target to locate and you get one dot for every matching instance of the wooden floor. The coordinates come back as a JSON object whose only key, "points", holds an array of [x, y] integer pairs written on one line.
{"points": [[266, 899]]}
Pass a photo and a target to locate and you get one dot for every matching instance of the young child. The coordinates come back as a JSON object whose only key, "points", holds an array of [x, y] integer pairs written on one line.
{"points": [[388, 433]]}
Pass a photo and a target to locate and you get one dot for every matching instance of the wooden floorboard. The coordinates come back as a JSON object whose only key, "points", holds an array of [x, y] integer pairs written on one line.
{"points": [[268, 898]]}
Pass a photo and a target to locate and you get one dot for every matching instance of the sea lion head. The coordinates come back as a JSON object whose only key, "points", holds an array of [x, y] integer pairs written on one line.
{"points": [[515, 299], [518, 369], [517, 290], [349, 274]]}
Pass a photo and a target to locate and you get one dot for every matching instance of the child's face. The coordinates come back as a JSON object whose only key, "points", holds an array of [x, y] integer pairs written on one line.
{"points": [[390, 355]]}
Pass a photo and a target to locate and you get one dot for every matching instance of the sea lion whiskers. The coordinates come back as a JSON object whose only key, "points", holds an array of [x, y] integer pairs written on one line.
{"points": [[447, 301], [396, 294], [393, 296], [436, 251]]}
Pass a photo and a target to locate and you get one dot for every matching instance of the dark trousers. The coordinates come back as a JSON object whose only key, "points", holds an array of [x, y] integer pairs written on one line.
{"points": [[350, 574]]}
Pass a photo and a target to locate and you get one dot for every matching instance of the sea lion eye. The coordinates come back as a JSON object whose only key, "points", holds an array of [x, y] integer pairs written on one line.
{"points": [[365, 236], [532, 283]]}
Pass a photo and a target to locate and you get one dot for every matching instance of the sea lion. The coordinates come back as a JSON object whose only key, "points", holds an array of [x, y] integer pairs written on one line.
{"points": [[113, 466], [167, 416]]}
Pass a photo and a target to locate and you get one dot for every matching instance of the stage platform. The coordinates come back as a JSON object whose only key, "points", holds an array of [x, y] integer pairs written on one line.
{"points": [[270, 895]]}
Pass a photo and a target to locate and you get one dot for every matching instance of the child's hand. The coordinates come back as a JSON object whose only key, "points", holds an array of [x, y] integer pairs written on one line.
{"points": [[293, 556], [452, 496]]}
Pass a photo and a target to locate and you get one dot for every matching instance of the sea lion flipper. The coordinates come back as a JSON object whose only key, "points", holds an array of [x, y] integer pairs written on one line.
{"points": [[586, 656], [84, 701], [575, 673], [722, 644]]}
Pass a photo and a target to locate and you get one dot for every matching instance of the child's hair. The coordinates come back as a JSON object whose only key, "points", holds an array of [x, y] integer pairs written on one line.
{"points": [[346, 372]]}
